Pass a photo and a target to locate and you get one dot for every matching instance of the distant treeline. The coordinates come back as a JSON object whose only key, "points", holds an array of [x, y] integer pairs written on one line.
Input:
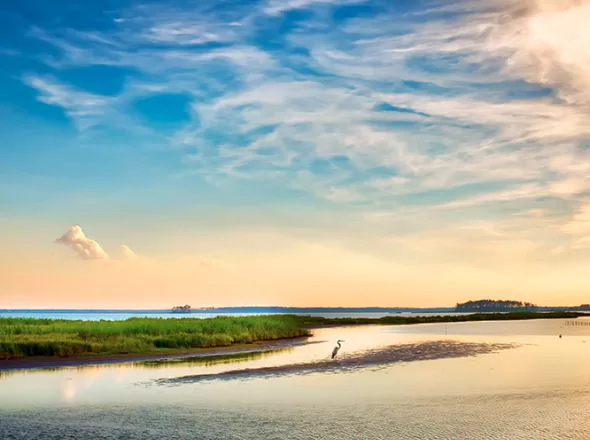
{"points": [[494, 305]]}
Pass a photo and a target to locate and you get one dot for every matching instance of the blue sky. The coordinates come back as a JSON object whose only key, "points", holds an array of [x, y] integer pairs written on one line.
{"points": [[412, 131]]}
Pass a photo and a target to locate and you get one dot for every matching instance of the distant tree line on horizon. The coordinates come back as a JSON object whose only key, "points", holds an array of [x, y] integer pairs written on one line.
{"points": [[494, 305]]}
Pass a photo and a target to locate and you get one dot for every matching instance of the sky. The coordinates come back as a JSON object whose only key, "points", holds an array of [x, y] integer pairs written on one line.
{"points": [[293, 152]]}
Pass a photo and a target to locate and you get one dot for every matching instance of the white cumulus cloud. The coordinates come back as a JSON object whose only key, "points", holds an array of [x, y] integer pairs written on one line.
{"points": [[127, 253], [85, 248]]}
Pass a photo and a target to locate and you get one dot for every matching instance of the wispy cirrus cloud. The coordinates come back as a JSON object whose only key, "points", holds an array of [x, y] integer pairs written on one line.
{"points": [[85, 109], [277, 7], [473, 104]]}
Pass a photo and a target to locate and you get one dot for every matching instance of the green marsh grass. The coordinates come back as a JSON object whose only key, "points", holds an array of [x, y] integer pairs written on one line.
{"points": [[25, 337]]}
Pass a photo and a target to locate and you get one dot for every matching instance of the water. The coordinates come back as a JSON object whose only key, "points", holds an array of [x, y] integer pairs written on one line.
{"points": [[110, 315], [540, 389], [117, 315]]}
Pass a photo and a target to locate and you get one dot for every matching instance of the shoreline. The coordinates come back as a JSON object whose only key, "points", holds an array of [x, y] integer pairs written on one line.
{"points": [[36, 363], [304, 322]]}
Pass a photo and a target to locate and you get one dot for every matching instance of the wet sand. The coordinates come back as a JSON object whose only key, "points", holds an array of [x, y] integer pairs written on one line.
{"points": [[376, 358], [53, 362]]}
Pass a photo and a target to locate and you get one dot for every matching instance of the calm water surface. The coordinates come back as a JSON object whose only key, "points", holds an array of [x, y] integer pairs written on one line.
{"points": [[114, 315], [539, 390]]}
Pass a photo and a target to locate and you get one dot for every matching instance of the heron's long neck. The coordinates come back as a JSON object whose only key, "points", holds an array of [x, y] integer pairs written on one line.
{"points": [[339, 346]]}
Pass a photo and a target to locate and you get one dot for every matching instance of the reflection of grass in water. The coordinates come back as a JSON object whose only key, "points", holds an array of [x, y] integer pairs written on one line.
{"points": [[201, 361], [375, 358], [27, 337], [208, 361]]}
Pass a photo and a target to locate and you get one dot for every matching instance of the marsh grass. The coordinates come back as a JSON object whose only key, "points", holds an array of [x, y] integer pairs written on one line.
{"points": [[315, 321], [25, 337]]}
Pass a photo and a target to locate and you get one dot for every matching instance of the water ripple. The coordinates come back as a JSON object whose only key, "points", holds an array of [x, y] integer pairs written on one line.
{"points": [[547, 416]]}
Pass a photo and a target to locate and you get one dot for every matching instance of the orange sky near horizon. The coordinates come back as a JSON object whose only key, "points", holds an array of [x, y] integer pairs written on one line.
{"points": [[288, 273]]}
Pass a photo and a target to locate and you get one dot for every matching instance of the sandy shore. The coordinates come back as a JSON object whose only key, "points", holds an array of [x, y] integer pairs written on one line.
{"points": [[376, 358], [54, 362]]}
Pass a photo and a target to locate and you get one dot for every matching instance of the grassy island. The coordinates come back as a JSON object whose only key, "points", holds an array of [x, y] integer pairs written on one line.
{"points": [[27, 337], [24, 337]]}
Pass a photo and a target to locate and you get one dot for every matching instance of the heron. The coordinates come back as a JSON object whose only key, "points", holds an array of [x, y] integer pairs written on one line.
{"points": [[335, 351]]}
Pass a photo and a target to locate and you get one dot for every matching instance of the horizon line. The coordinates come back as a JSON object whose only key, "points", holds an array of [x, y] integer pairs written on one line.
{"points": [[199, 309]]}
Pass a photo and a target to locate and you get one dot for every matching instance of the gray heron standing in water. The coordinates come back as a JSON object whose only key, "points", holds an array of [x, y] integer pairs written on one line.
{"points": [[335, 351]]}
